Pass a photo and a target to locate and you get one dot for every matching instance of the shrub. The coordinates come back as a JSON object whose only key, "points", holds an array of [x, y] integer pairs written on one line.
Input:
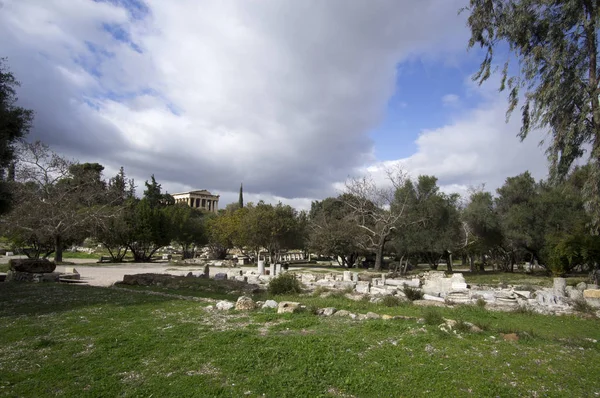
{"points": [[285, 283], [433, 316], [337, 295], [319, 290], [412, 294], [391, 301], [348, 290], [309, 309], [522, 309], [566, 251], [481, 302], [462, 326], [483, 325], [582, 306]]}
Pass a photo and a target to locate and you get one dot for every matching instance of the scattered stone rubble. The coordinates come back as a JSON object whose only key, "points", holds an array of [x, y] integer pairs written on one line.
{"points": [[437, 288], [245, 303], [440, 289]]}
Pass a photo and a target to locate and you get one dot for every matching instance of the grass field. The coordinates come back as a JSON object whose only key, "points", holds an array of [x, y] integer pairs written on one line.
{"points": [[81, 341]]}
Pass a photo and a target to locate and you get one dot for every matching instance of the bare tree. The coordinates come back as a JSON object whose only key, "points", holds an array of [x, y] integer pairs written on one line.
{"points": [[56, 200], [376, 210]]}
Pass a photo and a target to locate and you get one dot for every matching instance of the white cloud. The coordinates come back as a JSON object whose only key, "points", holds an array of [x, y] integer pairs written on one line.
{"points": [[477, 148], [451, 100], [278, 94]]}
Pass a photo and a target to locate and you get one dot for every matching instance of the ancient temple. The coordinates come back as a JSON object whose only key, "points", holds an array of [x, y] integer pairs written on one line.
{"points": [[201, 199]]}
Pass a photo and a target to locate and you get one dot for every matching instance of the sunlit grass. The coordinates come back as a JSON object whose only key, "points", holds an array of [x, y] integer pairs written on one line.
{"points": [[83, 341]]}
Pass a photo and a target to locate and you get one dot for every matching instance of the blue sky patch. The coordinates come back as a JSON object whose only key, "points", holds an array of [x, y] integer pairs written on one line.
{"points": [[427, 96], [136, 8]]}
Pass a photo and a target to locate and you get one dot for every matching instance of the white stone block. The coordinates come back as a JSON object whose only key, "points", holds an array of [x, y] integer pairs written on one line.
{"points": [[225, 305], [344, 285], [560, 285], [270, 304], [433, 298], [415, 282], [325, 283], [526, 294], [395, 282], [459, 286], [380, 290], [261, 267], [363, 287], [347, 276]]}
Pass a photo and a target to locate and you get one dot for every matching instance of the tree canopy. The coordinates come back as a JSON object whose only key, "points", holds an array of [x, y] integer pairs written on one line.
{"points": [[555, 44], [15, 123]]}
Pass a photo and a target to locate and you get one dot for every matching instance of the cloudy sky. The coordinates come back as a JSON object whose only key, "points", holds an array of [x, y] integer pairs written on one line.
{"points": [[289, 97]]}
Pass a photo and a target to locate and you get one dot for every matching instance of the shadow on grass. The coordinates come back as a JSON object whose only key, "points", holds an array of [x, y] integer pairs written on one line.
{"points": [[34, 299]]}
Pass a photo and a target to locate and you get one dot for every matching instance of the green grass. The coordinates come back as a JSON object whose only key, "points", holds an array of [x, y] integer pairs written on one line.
{"points": [[81, 341], [208, 290], [517, 278], [94, 256]]}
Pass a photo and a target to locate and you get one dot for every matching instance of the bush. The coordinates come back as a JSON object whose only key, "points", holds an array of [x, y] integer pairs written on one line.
{"points": [[413, 294], [566, 251], [285, 283], [481, 303], [582, 306], [462, 326], [524, 310], [320, 290], [433, 316], [391, 301]]}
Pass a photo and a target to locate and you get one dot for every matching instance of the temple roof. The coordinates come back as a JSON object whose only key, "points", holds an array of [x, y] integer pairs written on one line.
{"points": [[195, 192]]}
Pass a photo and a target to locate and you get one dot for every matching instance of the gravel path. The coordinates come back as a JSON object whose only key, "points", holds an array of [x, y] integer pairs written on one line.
{"points": [[106, 275]]}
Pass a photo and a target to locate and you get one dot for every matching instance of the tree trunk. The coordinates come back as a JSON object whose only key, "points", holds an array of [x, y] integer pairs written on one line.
{"points": [[404, 270], [450, 262], [399, 266], [379, 256], [58, 250], [482, 267]]}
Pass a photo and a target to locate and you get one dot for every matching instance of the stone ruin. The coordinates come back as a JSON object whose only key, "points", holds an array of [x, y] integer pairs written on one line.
{"points": [[38, 270], [32, 270], [436, 286]]}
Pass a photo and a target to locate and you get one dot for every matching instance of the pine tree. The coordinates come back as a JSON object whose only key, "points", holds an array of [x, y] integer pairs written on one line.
{"points": [[241, 198]]}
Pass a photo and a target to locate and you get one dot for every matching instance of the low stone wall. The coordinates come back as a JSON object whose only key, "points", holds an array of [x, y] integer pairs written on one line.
{"points": [[17, 276], [190, 281], [32, 265], [437, 286]]}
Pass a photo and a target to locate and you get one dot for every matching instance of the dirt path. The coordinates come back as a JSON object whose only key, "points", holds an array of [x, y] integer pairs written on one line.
{"points": [[106, 275]]}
